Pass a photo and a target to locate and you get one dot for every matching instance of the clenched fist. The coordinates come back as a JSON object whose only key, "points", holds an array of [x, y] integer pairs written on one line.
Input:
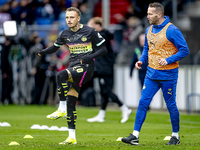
{"points": [[39, 52]]}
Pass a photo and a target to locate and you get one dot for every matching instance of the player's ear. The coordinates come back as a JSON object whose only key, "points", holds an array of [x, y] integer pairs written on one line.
{"points": [[159, 15], [79, 18]]}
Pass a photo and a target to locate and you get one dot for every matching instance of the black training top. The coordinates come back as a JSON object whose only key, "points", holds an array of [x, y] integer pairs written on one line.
{"points": [[80, 43], [104, 64]]}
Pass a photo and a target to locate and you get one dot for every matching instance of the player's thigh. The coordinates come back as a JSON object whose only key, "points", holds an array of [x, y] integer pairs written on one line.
{"points": [[81, 73], [106, 84], [150, 88]]}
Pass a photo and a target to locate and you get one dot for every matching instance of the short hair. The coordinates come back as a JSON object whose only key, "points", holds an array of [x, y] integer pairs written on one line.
{"points": [[159, 7], [74, 9], [98, 20]]}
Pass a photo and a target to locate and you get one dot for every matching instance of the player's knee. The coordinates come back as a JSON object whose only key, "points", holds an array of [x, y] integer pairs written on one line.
{"points": [[143, 105], [61, 75], [172, 108], [104, 92]]}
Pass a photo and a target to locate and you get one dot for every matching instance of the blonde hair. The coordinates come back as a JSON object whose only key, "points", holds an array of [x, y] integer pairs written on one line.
{"points": [[74, 9]]}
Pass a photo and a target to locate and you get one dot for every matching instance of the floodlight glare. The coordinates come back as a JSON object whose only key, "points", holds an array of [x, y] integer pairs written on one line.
{"points": [[10, 28]]}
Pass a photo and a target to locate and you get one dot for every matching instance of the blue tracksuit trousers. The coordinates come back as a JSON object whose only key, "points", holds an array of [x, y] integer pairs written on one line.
{"points": [[150, 88]]}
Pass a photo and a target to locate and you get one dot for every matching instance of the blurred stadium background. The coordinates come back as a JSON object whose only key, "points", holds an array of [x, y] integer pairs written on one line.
{"points": [[26, 25]]}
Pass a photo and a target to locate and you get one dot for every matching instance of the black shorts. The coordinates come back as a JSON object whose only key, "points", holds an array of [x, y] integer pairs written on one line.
{"points": [[81, 73]]}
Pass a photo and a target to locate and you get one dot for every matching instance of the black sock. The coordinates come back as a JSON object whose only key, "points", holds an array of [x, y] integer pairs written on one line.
{"points": [[71, 111]]}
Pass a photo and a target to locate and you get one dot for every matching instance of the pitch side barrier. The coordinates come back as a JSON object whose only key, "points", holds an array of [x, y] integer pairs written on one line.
{"points": [[188, 90]]}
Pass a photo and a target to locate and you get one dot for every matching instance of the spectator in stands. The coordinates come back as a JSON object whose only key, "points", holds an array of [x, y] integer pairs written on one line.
{"points": [[5, 13], [25, 13], [61, 16], [130, 12], [118, 33], [130, 36], [141, 7], [6, 72], [57, 7], [86, 13], [45, 13], [14, 9], [2, 2], [40, 65], [75, 3], [135, 27]]}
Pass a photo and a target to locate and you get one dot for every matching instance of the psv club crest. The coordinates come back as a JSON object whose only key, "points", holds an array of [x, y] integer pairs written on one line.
{"points": [[83, 39]]}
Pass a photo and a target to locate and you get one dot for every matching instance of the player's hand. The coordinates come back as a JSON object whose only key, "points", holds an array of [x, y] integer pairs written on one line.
{"points": [[33, 71], [39, 52], [162, 62], [81, 61], [85, 59], [138, 65]]}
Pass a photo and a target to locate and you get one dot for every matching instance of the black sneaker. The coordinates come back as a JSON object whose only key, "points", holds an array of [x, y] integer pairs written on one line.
{"points": [[131, 139], [173, 141]]}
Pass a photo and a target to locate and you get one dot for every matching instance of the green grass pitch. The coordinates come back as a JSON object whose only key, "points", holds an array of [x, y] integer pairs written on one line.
{"points": [[93, 136]]}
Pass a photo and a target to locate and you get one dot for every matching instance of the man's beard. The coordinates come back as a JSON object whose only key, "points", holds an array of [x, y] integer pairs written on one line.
{"points": [[154, 21]]}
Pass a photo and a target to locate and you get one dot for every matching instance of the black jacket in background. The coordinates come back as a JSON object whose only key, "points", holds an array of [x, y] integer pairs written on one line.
{"points": [[104, 64]]}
